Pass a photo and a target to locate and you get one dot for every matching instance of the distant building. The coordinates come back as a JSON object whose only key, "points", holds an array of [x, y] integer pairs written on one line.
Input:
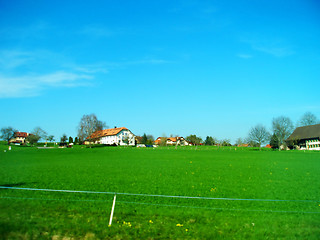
{"points": [[19, 137], [113, 136], [307, 137], [243, 145], [171, 141]]}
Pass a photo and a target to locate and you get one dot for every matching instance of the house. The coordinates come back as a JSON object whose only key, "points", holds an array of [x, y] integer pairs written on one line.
{"points": [[113, 136], [160, 140], [171, 141], [19, 137], [305, 138]]}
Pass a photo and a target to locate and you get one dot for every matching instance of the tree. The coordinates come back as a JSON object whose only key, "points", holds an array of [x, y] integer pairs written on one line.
{"points": [[7, 133], [194, 139], [274, 142], [163, 141], [308, 119], [88, 125], [76, 140], [36, 135], [225, 142], [32, 139], [239, 142], [50, 138], [144, 139], [70, 139], [40, 133], [259, 135], [150, 140], [209, 141], [64, 138], [282, 128]]}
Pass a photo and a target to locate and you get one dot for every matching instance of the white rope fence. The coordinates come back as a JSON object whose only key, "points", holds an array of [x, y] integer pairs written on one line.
{"points": [[161, 196], [155, 195]]}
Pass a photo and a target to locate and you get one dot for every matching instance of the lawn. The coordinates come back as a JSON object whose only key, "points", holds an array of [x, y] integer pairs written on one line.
{"points": [[246, 179]]}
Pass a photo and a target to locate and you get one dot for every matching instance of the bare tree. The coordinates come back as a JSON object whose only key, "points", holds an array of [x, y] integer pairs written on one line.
{"points": [[7, 133], [282, 128], [38, 131], [50, 138], [64, 138], [36, 135], [88, 125], [239, 142], [308, 119], [259, 135]]}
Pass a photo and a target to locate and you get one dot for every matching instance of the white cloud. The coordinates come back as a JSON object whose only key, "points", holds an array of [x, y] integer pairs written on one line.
{"points": [[33, 85], [28, 74]]}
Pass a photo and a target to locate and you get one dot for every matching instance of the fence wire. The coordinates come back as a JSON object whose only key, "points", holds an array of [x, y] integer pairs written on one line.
{"points": [[160, 204]]}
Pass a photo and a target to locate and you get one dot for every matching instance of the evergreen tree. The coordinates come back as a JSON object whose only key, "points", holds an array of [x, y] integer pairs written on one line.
{"points": [[209, 141], [144, 139], [274, 142], [70, 139]]}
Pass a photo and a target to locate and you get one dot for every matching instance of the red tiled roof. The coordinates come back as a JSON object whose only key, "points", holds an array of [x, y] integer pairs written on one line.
{"points": [[21, 134], [106, 132]]}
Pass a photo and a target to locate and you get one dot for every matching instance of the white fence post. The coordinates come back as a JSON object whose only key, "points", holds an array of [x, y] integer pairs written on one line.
{"points": [[112, 210]]}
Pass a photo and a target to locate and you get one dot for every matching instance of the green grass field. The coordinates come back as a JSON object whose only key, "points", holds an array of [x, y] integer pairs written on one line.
{"points": [[205, 172]]}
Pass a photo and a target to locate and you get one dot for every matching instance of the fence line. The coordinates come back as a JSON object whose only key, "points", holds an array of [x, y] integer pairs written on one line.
{"points": [[163, 205], [155, 195]]}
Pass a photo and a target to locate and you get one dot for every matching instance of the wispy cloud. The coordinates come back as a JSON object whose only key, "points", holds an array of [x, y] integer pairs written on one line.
{"points": [[33, 85], [14, 59], [271, 46], [27, 74], [275, 51]]}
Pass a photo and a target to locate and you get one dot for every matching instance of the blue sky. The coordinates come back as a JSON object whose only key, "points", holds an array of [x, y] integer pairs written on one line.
{"points": [[158, 67]]}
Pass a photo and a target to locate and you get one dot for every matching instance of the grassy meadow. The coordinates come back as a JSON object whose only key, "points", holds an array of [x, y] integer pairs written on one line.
{"points": [[204, 172]]}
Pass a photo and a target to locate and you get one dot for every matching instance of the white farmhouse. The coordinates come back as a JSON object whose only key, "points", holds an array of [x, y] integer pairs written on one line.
{"points": [[113, 136]]}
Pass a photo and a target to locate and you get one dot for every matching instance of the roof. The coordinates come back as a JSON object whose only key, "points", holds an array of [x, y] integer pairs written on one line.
{"points": [[306, 132], [21, 134], [106, 132], [172, 139]]}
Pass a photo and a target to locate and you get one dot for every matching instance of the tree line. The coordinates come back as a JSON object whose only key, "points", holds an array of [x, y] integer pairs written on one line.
{"points": [[282, 127]]}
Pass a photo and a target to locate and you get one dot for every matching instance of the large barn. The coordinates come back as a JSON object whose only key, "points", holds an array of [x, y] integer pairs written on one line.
{"points": [[307, 137]]}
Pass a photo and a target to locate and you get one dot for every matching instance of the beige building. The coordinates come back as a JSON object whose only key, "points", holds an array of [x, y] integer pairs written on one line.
{"points": [[19, 137]]}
